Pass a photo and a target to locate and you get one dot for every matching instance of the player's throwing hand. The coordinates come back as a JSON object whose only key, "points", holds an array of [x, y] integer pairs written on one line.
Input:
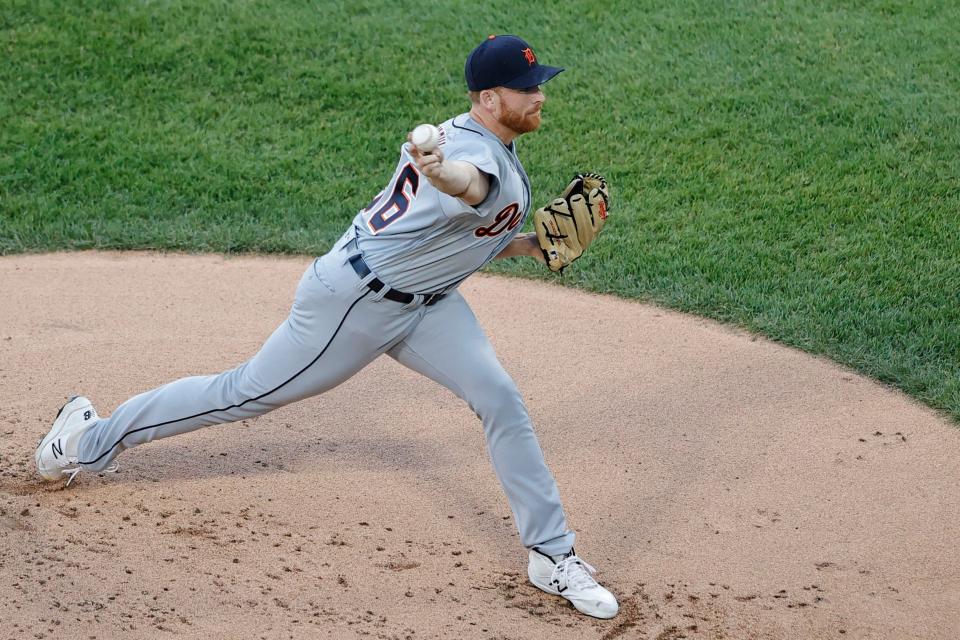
{"points": [[430, 163]]}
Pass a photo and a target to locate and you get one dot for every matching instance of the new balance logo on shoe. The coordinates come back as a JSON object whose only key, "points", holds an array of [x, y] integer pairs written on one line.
{"points": [[57, 454]]}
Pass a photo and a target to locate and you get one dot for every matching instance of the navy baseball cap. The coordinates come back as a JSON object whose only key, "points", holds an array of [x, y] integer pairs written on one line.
{"points": [[505, 61]]}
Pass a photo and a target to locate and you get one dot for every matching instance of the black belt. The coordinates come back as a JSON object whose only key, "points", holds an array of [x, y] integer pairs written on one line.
{"points": [[397, 296]]}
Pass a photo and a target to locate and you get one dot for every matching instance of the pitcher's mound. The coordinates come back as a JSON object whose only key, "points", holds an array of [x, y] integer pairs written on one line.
{"points": [[726, 487]]}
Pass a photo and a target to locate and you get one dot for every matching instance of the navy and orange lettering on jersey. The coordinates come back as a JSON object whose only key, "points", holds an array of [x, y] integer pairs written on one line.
{"points": [[505, 220]]}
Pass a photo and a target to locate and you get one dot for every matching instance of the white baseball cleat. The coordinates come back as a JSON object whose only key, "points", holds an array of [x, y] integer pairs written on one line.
{"points": [[572, 578], [57, 453]]}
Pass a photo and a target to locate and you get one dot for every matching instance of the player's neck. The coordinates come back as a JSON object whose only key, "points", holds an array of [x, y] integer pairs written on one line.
{"points": [[506, 134]]}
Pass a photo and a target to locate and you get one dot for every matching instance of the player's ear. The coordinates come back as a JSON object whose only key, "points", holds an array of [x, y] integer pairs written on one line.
{"points": [[490, 99]]}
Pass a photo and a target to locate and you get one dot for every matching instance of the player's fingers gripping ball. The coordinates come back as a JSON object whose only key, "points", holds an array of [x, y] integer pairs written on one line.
{"points": [[425, 141], [425, 137], [570, 224]]}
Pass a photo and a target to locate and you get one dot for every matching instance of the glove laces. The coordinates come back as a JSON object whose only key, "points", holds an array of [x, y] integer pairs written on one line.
{"points": [[573, 572]]}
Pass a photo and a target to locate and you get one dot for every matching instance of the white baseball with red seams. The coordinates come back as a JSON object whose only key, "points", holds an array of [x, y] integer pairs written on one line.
{"points": [[425, 137]]}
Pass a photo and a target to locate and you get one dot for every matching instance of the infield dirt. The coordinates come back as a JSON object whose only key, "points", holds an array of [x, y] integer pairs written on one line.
{"points": [[725, 486]]}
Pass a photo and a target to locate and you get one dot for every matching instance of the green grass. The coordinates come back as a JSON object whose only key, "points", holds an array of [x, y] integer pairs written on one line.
{"points": [[789, 167]]}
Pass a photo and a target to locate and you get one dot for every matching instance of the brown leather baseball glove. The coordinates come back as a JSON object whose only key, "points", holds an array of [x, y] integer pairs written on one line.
{"points": [[570, 223]]}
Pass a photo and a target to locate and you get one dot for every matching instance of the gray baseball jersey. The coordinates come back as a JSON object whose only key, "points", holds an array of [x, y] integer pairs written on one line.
{"points": [[421, 240], [415, 240]]}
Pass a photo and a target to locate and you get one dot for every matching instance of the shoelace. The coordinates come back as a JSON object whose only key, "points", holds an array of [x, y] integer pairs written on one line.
{"points": [[576, 573], [113, 468]]}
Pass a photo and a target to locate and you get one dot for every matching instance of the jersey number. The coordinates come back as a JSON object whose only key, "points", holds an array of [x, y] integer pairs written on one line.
{"points": [[397, 202]]}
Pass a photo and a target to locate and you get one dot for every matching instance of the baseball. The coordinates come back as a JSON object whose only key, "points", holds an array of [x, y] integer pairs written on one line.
{"points": [[425, 137]]}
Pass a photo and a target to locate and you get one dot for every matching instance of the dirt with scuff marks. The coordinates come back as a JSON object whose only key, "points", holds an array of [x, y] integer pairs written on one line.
{"points": [[724, 486]]}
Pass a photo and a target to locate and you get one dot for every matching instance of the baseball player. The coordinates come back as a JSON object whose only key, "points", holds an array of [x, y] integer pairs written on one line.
{"points": [[389, 285]]}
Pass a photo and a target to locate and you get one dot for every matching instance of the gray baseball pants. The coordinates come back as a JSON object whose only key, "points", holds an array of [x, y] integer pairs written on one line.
{"points": [[337, 325]]}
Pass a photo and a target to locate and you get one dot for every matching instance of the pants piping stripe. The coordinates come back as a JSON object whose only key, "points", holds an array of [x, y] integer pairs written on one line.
{"points": [[234, 406]]}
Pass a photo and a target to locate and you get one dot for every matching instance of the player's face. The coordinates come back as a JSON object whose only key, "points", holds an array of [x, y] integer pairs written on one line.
{"points": [[520, 108]]}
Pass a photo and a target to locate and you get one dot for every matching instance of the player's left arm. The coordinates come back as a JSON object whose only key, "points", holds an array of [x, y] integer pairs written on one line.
{"points": [[525, 244]]}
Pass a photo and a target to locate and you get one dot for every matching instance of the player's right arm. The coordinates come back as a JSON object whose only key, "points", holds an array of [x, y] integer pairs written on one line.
{"points": [[456, 178]]}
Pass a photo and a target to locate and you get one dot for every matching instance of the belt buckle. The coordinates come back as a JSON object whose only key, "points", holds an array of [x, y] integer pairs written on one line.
{"points": [[431, 299]]}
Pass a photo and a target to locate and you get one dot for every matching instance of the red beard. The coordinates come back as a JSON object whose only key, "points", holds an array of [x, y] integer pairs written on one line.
{"points": [[520, 122]]}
